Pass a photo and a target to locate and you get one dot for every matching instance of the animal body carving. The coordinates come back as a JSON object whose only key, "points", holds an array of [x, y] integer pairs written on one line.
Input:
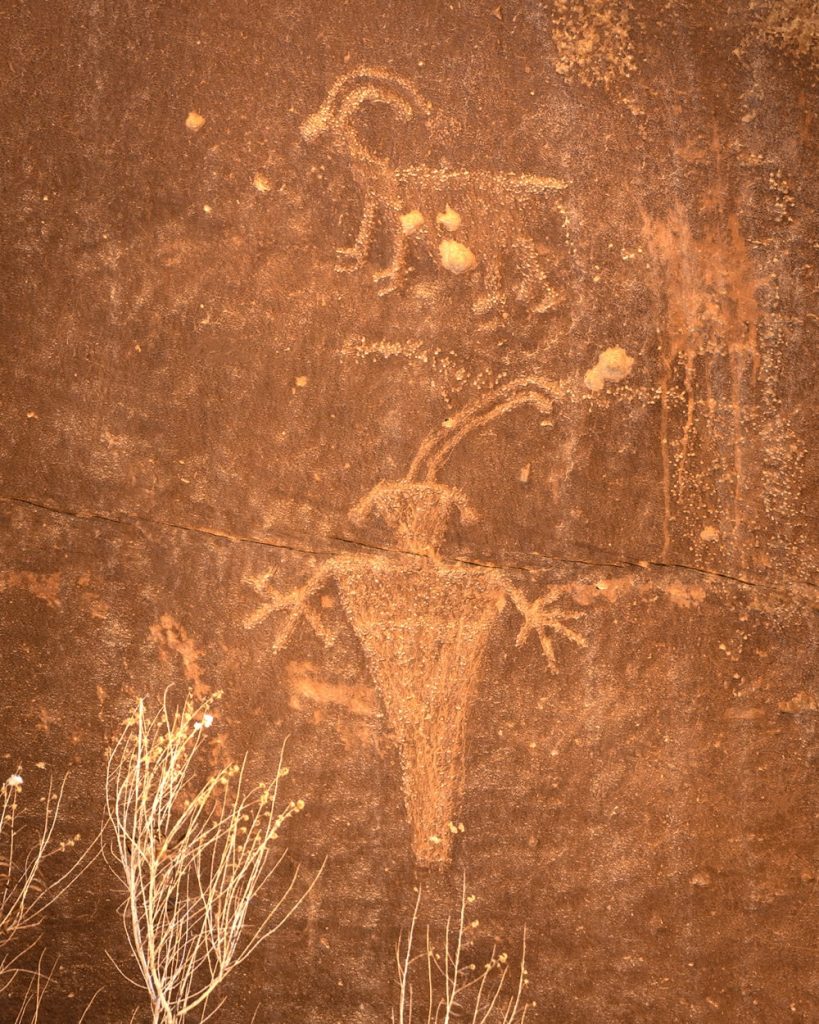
{"points": [[467, 221], [424, 622]]}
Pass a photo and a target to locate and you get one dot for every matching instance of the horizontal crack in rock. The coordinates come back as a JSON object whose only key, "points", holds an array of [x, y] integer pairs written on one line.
{"points": [[343, 544]]}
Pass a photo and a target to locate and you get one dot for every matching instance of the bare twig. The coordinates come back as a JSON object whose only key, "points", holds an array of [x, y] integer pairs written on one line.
{"points": [[26, 891], [32, 1001], [450, 989]]}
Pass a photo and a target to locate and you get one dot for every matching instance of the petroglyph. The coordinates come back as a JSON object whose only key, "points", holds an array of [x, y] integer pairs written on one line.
{"points": [[423, 622], [710, 306], [307, 687], [170, 635], [352, 708], [422, 208]]}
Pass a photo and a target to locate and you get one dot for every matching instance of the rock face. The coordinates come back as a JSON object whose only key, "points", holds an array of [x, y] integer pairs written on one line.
{"points": [[437, 381]]}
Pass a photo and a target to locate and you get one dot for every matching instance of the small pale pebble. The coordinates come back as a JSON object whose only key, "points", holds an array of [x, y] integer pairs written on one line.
{"points": [[612, 366], [456, 257], [450, 219], [410, 222], [194, 121]]}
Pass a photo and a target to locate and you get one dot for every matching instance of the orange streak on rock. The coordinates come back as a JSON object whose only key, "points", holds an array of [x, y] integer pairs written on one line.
{"points": [[168, 633], [45, 586], [708, 292]]}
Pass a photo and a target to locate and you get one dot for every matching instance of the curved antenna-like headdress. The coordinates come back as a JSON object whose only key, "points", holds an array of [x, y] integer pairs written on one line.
{"points": [[436, 449], [419, 507]]}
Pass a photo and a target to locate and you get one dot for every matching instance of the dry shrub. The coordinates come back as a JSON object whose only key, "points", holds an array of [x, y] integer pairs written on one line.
{"points": [[192, 846], [29, 886], [441, 986]]}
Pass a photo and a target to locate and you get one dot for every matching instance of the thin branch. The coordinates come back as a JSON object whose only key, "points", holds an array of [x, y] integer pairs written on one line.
{"points": [[455, 990], [27, 850]]}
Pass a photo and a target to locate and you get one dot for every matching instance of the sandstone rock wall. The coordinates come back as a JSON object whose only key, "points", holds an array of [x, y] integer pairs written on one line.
{"points": [[437, 380]]}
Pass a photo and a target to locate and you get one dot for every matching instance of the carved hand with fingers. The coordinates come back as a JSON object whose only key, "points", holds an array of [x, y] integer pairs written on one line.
{"points": [[539, 617]]}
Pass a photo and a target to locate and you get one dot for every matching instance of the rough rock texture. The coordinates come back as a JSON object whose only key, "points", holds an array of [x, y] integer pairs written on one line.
{"points": [[511, 526]]}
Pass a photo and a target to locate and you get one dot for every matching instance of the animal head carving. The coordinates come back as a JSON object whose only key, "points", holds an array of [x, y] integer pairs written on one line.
{"points": [[350, 93]]}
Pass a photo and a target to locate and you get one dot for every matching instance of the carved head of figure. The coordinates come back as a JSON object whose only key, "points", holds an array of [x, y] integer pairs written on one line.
{"points": [[418, 508], [419, 513]]}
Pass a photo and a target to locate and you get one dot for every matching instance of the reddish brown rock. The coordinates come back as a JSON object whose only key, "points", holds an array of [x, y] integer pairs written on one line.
{"points": [[522, 559]]}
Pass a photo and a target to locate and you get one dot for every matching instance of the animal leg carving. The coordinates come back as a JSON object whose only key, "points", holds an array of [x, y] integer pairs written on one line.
{"points": [[357, 253], [543, 297], [491, 300], [394, 275]]}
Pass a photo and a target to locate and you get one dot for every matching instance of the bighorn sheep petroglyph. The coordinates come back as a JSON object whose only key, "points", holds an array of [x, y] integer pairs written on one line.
{"points": [[465, 219]]}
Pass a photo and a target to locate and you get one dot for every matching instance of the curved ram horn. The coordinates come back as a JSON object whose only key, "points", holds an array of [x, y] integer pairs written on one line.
{"points": [[351, 91], [378, 78]]}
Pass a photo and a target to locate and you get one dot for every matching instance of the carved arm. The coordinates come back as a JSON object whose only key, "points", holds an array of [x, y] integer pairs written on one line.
{"points": [[296, 603]]}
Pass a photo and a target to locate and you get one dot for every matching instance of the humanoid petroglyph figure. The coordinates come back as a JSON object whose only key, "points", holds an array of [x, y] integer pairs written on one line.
{"points": [[469, 222], [424, 622]]}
